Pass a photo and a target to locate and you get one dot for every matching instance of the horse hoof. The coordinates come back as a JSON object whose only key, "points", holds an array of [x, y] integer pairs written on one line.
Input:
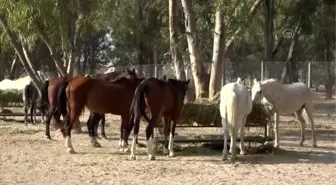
{"points": [[126, 150], [132, 157], [165, 151], [242, 152], [96, 145], [48, 137], [151, 157], [71, 151], [224, 157], [276, 146], [171, 154]]}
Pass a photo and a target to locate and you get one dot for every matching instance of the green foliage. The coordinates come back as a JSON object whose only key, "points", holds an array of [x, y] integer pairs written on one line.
{"points": [[10, 96]]}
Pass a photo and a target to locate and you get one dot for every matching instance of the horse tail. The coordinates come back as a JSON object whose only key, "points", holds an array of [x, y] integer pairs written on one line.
{"points": [[231, 110], [138, 105], [62, 99], [44, 95]]}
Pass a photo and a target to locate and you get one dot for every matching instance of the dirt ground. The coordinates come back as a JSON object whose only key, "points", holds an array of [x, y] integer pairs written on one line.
{"points": [[27, 157]]}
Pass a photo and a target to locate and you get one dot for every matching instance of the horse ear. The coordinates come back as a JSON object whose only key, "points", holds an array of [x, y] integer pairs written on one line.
{"points": [[187, 82], [238, 80]]}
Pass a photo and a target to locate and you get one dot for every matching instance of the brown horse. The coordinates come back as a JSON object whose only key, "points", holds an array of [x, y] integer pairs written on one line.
{"points": [[99, 97], [49, 97], [95, 117], [163, 99]]}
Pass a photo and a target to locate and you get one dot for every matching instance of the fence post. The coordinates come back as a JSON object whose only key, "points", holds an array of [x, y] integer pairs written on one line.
{"points": [[309, 75], [262, 71]]}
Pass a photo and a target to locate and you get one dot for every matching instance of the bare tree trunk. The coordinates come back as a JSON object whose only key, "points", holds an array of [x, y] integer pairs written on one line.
{"points": [[269, 37], [14, 69], [218, 53], [13, 40], [197, 66], [289, 61], [175, 53], [237, 32]]}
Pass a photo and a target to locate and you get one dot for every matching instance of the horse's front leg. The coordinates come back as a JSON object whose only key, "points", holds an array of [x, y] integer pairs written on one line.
{"points": [[33, 113], [102, 128], [298, 115], [276, 130]]}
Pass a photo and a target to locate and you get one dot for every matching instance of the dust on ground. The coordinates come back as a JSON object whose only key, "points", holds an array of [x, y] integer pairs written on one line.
{"points": [[27, 157]]}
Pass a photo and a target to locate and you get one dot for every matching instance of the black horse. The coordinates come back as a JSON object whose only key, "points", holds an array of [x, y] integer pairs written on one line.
{"points": [[30, 98]]}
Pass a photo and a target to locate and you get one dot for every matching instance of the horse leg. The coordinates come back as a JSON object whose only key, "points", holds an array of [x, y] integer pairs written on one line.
{"points": [[92, 122], [171, 138], [70, 121], [95, 126], [233, 144], [102, 128], [33, 112], [136, 122], [123, 138], [166, 131], [25, 109], [276, 130], [298, 115], [309, 112], [149, 133], [242, 134], [50, 113], [225, 133]]}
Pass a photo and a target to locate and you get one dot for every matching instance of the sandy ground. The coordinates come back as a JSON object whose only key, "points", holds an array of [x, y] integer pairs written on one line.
{"points": [[26, 157]]}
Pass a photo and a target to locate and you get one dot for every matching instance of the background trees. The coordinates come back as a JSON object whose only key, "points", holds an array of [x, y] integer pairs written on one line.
{"points": [[79, 36]]}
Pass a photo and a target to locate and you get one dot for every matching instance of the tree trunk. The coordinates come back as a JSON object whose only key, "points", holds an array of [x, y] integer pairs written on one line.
{"points": [[236, 33], [289, 64], [217, 56], [14, 69], [330, 81], [269, 37], [13, 40], [197, 66], [175, 53]]}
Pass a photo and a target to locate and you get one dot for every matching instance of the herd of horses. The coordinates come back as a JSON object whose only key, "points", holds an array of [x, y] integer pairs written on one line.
{"points": [[123, 93]]}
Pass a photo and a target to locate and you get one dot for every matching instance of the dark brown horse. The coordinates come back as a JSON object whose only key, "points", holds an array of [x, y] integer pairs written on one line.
{"points": [[163, 99], [99, 97], [49, 97]]}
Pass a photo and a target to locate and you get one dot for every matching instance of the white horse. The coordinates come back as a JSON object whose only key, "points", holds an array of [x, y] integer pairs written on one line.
{"points": [[235, 105], [286, 99]]}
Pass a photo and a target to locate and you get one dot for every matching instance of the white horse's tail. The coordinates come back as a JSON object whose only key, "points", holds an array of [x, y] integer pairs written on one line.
{"points": [[231, 109]]}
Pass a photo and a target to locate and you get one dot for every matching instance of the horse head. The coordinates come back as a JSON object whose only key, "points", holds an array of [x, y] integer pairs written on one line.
{"points": [[131, 74], [180, 86], [257, 91]]}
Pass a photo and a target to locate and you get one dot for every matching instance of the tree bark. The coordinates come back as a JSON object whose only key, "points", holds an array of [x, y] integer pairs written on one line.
{"points": [[13, 40], [14, 69], [197, 66], [218, 54], [289, 62], [175, 53], [57, 61], [237, 32], [269, 37]]}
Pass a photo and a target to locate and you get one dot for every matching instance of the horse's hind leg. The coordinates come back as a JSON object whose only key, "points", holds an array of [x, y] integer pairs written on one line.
{"points": [[102, 128], [70, 121], [298, 115], [149, 133], [242, 134], [92, 122], [225, 134], [50, 113], [166, 131], [309, 111], [25, 109], [136, 121], [33, 113]]}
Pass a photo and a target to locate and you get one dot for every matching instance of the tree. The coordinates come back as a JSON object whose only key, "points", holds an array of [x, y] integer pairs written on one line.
{"points": [[173, 29], [196, 62]]}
